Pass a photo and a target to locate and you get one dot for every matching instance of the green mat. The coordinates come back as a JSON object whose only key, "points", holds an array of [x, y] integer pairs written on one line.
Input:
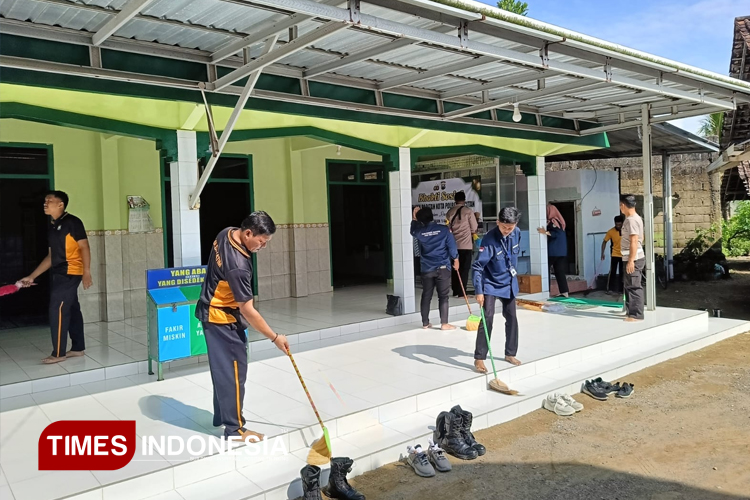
{"points": [[591, 302]]}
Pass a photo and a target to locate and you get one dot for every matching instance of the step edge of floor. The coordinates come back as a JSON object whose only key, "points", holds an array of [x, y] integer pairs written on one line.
{"points": [[569, 383]]}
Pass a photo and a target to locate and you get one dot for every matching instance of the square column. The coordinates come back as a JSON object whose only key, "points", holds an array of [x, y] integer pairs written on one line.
{"points": [[401, 241], [648, 208], [537, 187], [186, 230]]}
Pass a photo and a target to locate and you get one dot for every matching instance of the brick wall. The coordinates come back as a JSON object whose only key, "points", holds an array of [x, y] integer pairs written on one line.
{"points": [[696, 202]]}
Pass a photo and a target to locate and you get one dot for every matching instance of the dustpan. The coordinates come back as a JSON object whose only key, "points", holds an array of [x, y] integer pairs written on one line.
{"points": [[320, 451], [495, 384]]}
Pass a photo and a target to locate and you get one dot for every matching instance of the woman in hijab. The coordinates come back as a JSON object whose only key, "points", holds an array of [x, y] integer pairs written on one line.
{"points": [[557, 246]]}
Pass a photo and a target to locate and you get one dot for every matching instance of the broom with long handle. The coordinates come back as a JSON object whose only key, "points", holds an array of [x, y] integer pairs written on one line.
{"points": [[495, 384], [320, 451], [472, 323]]}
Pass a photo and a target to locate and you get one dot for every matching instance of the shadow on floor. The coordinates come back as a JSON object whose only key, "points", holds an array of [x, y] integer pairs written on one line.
{"points": [[447, 355]]}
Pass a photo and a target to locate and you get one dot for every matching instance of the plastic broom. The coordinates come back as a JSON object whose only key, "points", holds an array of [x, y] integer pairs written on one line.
{"points": [[320, 451], [472, 323], [495, 384]]}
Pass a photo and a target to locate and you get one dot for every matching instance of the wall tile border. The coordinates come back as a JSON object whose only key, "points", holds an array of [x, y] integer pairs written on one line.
{"points": [[110, 232]]}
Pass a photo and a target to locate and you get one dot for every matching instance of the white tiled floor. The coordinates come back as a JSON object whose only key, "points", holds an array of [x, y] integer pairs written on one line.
{"points": [[120, 342], [390, 380]]}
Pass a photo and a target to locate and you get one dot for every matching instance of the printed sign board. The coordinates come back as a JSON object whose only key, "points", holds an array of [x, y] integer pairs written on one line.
{"points": [[175, 276], [174, 332], [440, 193]]}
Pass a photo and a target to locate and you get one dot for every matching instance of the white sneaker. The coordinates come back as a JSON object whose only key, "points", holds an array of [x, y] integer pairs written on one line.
{"points": [[571, 402], [556, 404]]}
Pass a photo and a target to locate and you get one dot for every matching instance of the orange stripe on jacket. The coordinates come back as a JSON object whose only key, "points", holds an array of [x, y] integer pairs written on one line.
{"points": [[73, 256]]}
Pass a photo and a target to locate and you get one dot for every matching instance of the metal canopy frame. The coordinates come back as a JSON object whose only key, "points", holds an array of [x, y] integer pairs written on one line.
{"points": [[485, 44]]}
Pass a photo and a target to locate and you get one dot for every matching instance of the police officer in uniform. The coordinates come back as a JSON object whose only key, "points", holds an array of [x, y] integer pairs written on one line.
{"points": [[69, 262], [226, 309], [495, 278], [438, 252]]}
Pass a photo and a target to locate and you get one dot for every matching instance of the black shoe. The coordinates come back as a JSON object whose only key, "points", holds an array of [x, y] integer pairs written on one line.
{"points": [[626, 390], [593, 390], [467, 419], [338, 487], [310, 482], [604, 386], [448, 435]]}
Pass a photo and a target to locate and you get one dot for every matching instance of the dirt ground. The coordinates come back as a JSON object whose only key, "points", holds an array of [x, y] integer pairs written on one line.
{"points": [[684, 434], [731, 295]]}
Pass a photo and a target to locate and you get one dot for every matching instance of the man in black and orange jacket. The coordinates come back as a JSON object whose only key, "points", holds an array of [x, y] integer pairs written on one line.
{"points": [[69, 262], [226, 309]]}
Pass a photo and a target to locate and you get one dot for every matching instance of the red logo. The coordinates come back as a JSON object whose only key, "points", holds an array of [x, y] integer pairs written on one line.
{"points": [[87, 445], [481, 249]]}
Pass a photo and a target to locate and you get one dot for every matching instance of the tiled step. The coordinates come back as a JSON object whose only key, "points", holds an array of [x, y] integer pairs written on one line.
{"points": [[378, 435], [257, 349]]}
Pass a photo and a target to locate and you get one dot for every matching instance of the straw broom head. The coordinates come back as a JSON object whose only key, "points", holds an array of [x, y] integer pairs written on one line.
{"points": [[320, 451], [472, 324]]}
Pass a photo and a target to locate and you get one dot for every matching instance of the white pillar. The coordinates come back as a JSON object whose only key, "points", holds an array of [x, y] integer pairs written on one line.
{"points": [[186, 230], [648, 208], [401, 241], [667, 196], [537, 187]]}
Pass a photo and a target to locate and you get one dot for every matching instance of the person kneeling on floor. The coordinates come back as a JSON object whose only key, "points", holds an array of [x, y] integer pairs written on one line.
{"points": [[437, 248], [495, 278], [226, 309]]}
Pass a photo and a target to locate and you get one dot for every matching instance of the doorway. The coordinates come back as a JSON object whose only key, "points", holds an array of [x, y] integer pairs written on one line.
{"points": [[25, 178], [568, 211], [226, 200], [358, 221]]}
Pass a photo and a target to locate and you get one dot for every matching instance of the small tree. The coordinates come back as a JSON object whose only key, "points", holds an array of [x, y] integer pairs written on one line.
{"points": [[711, 125], [736, 233], [514, 6]]}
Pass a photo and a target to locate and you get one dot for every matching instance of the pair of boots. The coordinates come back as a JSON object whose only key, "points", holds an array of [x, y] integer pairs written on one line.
{"points": [[338, 487], [453, 434]]}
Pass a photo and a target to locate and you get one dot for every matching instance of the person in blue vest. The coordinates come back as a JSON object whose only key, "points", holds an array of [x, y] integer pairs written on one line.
{"points": [[557, 247], [495, 278], [438, 252]]}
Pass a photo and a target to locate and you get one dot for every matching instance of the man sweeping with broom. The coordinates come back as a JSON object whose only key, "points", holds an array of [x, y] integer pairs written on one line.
{"points": [[438, 252], [495, 278], [226, 308]]}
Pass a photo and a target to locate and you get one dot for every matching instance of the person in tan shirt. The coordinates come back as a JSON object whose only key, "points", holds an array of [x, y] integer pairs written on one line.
{"points": [[631, 246], [463, 225]]}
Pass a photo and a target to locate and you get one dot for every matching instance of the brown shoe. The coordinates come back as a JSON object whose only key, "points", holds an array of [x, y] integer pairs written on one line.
{"points": [[75, 354], [50, 360]]}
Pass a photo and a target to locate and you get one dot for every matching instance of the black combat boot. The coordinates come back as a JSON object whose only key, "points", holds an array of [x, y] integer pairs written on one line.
{"points": [[338, 487], [467, 418], [448, 435], [310, 482]]}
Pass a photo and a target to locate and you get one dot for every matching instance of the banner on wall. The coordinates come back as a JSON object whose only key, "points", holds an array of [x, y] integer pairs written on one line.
{"points": [[439, 195]]}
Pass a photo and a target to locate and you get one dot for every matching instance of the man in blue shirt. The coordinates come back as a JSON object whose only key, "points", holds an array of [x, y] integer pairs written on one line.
{"points": [[495, 278], [437, 249]]}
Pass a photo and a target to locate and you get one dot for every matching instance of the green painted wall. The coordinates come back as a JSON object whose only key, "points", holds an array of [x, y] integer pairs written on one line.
{"points": [[76, 157], [139, 175], [271, 175], [99, 170], [275, 161], [96, 170]]}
